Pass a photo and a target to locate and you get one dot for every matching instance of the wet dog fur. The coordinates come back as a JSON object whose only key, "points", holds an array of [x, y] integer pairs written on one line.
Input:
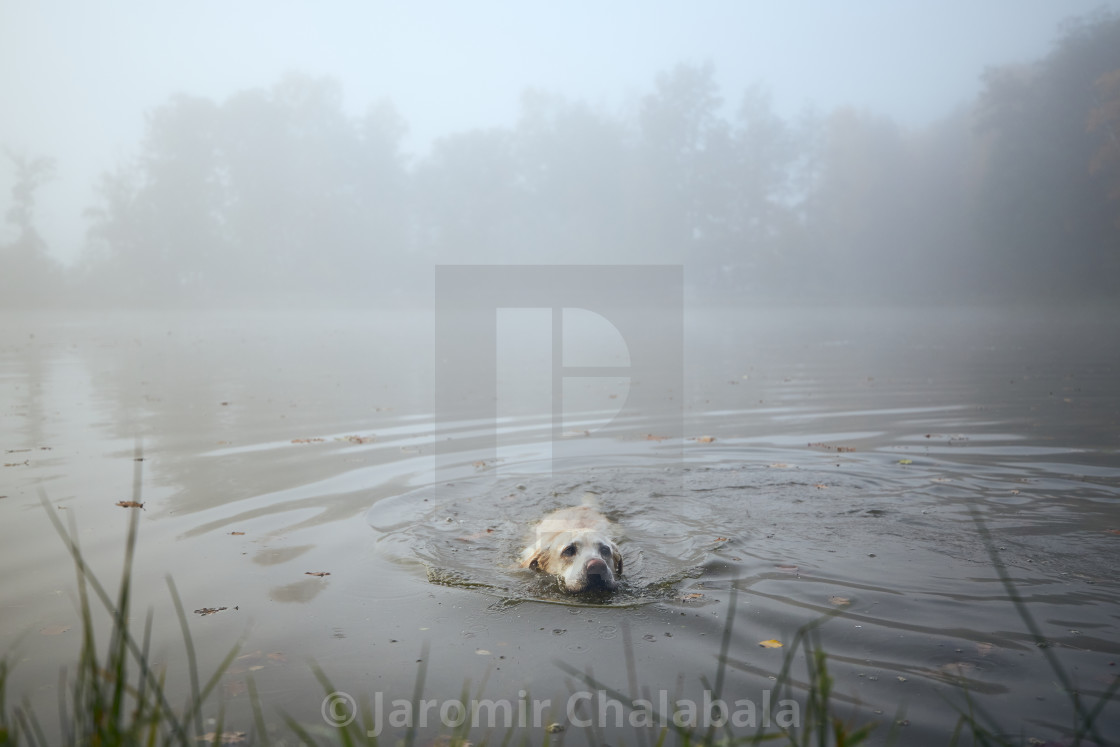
{"points": [[575, 545]]}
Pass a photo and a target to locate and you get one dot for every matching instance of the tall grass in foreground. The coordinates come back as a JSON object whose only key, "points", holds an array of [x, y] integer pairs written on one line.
{"points": [[115, 697], [118, 698]]}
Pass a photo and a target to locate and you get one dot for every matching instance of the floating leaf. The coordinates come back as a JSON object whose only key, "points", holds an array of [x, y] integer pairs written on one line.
{"points": [[209, 610], [839, 601], [130, 504], [771, 643], [830, 447], [308, 440], [237, 534], [317, 573], [905, 461], [705, 439]]}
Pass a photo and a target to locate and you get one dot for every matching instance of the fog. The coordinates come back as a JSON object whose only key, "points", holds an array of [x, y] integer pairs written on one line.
{"points": [[811, 153]]}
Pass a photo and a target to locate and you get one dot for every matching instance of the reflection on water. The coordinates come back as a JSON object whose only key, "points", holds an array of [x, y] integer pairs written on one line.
{"points": [[835, 462]]}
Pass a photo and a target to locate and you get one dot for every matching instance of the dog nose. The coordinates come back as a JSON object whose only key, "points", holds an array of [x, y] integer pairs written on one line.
{"points": [[596, 567]]}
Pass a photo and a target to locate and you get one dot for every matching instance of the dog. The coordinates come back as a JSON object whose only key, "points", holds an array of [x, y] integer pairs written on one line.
{"points": [[574, 545]]}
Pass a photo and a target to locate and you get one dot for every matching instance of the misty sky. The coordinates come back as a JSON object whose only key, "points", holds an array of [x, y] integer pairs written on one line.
{"points": [[77, 78]]}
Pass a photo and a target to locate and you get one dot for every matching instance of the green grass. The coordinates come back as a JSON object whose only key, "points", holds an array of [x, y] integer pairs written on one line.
{"points": [[114, 696]]}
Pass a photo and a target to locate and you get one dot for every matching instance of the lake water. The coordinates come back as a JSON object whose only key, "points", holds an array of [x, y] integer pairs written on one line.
{"points": [[832, 465]]}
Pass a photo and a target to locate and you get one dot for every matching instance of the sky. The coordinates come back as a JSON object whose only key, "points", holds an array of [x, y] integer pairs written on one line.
{"points": [[77, 78]]}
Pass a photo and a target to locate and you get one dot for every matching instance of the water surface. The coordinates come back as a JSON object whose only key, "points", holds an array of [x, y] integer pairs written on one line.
{"points": [[834, 463]]}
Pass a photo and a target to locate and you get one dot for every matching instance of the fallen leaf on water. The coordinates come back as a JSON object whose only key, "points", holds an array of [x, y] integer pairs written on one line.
{"points": [[839, 601], [820, 486], [771, 643], [651, 437], [705, 439], [358, 439], [308, 440], [482, 652], [237, 534], [721, 539], [779, 465], [690, 596], [54, 630], [830, 447], [905, 461], [130, 504], [209, 610], [317, 573]]}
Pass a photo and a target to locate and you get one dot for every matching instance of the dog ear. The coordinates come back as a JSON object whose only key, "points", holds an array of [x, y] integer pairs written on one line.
{"points": [[537, 561], [617, 561]]}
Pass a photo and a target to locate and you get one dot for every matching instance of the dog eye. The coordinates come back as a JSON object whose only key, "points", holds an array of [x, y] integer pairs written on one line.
{"points": [[568, 551], [605, 551]]}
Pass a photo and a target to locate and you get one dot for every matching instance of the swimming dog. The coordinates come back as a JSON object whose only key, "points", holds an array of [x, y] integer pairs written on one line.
{"points": [[574, 544]]}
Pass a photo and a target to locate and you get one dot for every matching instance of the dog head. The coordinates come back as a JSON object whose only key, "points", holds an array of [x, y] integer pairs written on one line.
{"points": [[580, 558]]}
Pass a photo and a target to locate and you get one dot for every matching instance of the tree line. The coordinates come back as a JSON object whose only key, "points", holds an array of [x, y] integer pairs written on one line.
{"points": [[276, 195]]}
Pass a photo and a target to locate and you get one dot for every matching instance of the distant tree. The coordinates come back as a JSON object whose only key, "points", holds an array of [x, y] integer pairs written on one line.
{"points": [[574, 164], [471, 199], [757, 243], [273, 193], [29, 276], [681, 184], [155, 233], [1104, 122], [1044, 206]]}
